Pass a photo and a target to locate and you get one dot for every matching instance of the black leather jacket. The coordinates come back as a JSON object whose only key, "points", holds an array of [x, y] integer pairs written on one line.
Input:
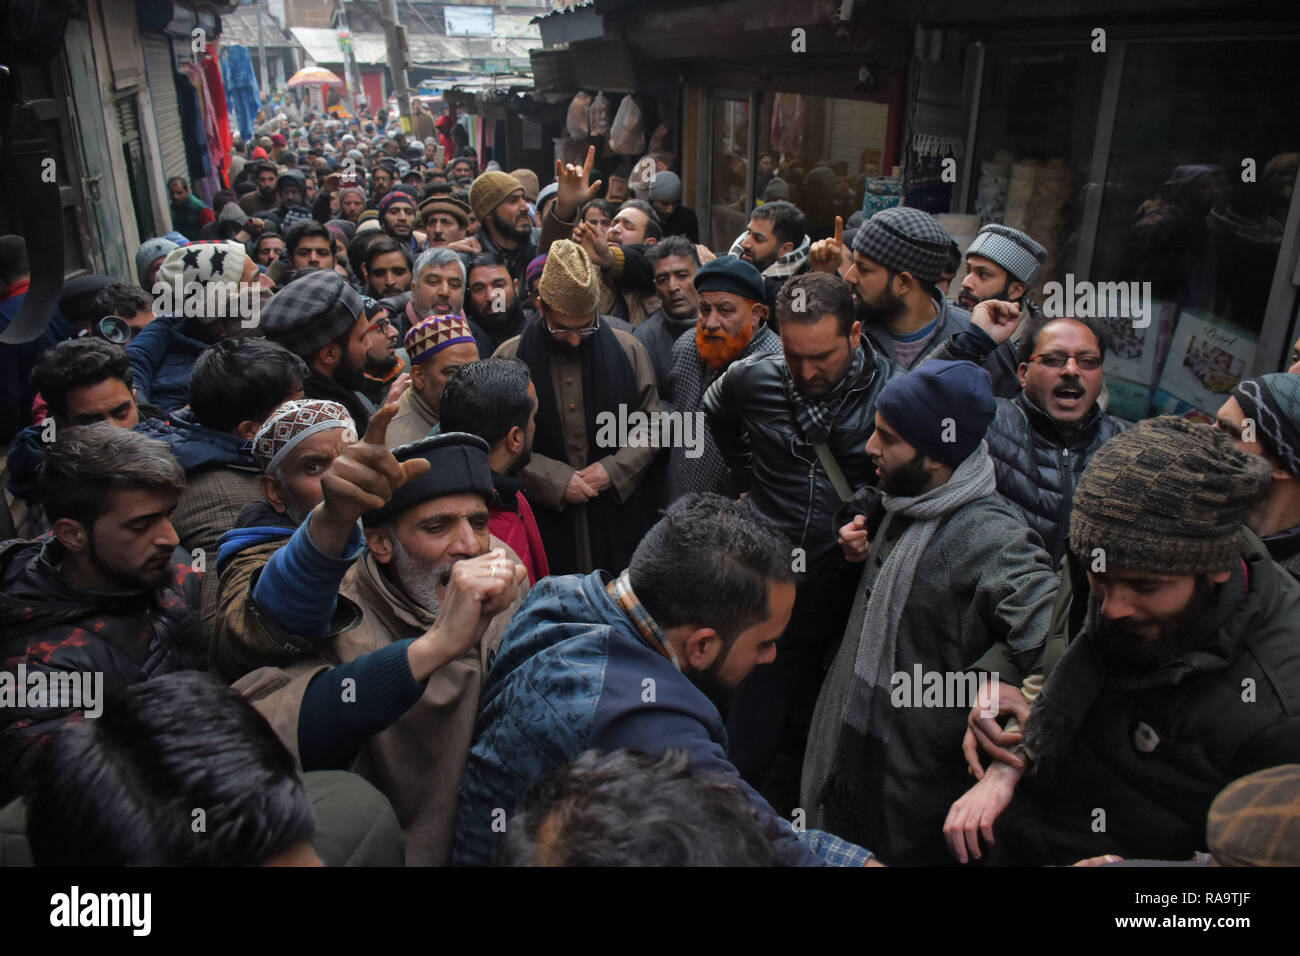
{"points": [[753, 422], [1038, 469]]}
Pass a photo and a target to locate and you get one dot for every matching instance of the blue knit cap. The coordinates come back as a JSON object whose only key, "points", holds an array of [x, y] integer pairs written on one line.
{"points": [[941, 408]]}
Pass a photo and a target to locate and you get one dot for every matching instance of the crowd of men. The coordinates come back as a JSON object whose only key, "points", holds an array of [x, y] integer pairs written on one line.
{"points": [[443, 518]]}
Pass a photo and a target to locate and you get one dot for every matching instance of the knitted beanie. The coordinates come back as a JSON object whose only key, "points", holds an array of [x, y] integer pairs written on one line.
{"points": [[1272, 402], [905, 240], [1168, 496], [150, 251], [570, 283], [489, 191], [666, 187], [233, 212], [367, 225], [205, 263], [528, 179], [533, 272], [394, 197], [942, 409]]}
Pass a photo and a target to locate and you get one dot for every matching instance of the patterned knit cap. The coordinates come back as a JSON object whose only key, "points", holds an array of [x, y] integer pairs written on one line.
{"points": [[434, 334], [291, 423], [1272, 402], [1168, 496], [205, 264], [393, 198], [533, 273]]}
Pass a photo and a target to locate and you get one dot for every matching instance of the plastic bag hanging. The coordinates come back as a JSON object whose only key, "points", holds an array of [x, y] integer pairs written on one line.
{"points": [[627, 135], [576, 121], [598, 115]]}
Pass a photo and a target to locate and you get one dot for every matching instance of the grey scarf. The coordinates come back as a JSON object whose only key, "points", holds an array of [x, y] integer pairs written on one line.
{"points": [[878, 642]]}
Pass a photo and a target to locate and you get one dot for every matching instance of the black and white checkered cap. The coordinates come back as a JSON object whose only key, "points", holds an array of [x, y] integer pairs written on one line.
{"points": [[1011, 249], [905, 240]]}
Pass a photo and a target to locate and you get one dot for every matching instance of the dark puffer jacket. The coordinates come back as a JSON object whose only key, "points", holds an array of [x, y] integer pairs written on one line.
{"points": [[1038, 468], [752, 419], [162, 358], [1154, 750], [51, 627]]}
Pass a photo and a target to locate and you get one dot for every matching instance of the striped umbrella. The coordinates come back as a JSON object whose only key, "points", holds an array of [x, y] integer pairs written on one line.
{"points": [[314, 76]]}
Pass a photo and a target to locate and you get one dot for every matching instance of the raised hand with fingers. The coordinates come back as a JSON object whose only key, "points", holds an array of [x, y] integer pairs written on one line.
{"points": [[363, 477], [824, 256], [593, 244], [573, 189]]}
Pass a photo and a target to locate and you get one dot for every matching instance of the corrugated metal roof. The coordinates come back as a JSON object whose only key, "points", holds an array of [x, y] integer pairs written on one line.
{"points": [[240, 28], [322, 45]]}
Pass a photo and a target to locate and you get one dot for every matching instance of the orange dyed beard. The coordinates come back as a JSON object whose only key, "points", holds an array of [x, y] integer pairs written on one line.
{"points": [[721, 351]]}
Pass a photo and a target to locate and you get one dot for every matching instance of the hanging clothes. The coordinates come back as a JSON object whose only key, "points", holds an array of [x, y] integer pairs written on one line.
{"points": [[217, 159], [786, 128], [221, 112], [241, 88], [196, 137]]}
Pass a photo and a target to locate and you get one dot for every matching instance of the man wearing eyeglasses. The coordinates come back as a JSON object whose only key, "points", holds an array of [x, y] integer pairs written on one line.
{"points": [[1042, 439], [586, 484], [385, 361]]}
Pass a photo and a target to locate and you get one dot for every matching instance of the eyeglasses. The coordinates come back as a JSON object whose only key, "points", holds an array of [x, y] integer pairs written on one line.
{"points": [[381, 325], [1086, 362], [583, 332]]}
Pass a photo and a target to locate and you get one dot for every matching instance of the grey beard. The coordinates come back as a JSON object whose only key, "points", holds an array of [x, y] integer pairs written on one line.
{"points": [[420, 579], [294, 511]]}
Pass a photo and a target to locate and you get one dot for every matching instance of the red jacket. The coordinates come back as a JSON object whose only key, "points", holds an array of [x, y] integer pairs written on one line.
{"points": [[512, 521]]}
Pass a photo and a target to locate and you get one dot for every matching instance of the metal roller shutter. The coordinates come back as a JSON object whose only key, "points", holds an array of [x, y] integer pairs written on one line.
{"points": [[161, 69]]}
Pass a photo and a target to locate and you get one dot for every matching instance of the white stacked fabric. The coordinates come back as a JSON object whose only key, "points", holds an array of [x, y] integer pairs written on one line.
{"points": [[1020, 193], [1046, 219], [991, 190]]}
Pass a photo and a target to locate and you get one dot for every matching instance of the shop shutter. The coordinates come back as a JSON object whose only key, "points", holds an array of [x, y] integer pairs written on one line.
{"points": [[128, 123], [166, 110]]}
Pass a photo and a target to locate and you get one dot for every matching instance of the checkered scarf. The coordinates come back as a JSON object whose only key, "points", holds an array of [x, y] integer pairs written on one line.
{"points": [[817, 415], [620, 589], [785, 266], [691, 378]]}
